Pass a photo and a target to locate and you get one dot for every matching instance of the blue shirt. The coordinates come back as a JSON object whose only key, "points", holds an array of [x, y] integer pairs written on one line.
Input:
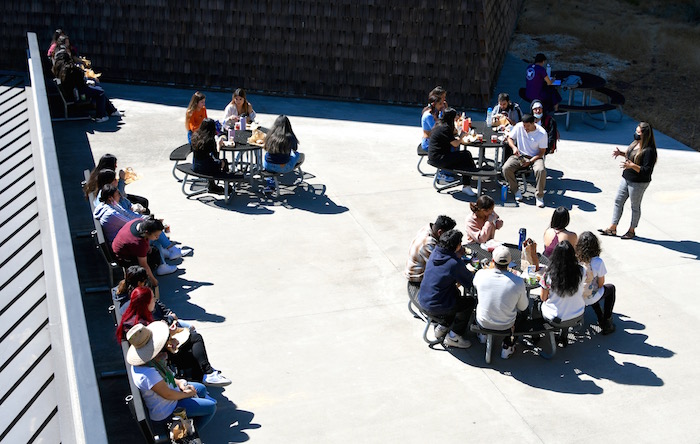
{"points": [[427, 122]]}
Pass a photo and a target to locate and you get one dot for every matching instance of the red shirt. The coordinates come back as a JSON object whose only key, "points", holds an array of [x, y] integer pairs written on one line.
{"points": [[128, 245]]}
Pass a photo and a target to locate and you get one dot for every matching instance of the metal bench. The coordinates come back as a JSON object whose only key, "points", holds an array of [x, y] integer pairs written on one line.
{"points": [[613, 98], [226, 178], [77, 105], [483, 173], [178, 155], [276, 176], [422, 154]]}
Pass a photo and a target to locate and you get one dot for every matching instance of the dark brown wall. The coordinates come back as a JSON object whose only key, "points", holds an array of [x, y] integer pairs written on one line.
{"points": [[379, 50]]}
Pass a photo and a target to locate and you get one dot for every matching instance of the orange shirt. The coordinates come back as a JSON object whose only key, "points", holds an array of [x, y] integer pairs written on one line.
{"points": [[196, 119]]}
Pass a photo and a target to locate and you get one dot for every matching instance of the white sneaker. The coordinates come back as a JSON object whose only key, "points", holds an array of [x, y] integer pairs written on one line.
{"points": [[468, 191], [540, 202], [116, 113], [215, 379], [101, 119], [440, 331], [518, 196], [506, 352], [482, 338], [454, 340], [174, 253], [165, 269]]}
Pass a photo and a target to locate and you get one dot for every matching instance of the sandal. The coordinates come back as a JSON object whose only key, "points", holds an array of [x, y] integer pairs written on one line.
{"points": [[607, 232], [628, 235]]}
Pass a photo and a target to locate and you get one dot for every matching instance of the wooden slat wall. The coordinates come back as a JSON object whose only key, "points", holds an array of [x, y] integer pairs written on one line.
{"points": [[377, 50]]}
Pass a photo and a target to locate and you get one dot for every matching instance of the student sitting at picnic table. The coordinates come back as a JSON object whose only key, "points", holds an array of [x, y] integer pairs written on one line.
{"points": [[195, 114], [205, 154], [483, 222], [557, 231], [528, 141], [439, 296], [562, 286], [161, 391], [437, 102], [143, 308], [595, 288], [444, 137], [420, 249], [239, 107], [539, 86], [501, 295], [94, 183], [281, 150], [506, 108], [546, 121], [131, 247]]}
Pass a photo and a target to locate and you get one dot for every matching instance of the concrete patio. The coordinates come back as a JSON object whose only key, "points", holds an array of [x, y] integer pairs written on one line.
{"points": [[302, 301]]}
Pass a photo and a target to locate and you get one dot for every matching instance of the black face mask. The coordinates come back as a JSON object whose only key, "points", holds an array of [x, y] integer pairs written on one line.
{"points": [[637, 136]]}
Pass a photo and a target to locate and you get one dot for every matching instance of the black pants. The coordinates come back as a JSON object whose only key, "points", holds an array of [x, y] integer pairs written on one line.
{"points": [[192, 356], [608, 300], [456, 319], [456, 160]]}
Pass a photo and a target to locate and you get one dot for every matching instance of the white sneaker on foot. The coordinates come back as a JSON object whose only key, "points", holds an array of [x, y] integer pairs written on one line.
{"points": [[540, 202], [518, 196], [101, 119], [468, 191], [506, 352], [116, 113], [440, 331], [174, 253], [455, 340], [215, 379], [165, 269]]}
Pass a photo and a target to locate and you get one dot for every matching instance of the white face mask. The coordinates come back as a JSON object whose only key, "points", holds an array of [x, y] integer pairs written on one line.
{"points": [[538, 116]]}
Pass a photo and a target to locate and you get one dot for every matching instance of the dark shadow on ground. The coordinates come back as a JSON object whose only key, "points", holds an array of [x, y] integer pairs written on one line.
{"points": [[587, 356], [689, 247], [229, 423], [274, 105], [174, 291]]}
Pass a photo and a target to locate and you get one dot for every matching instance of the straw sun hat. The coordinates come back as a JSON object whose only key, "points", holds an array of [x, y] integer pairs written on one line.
{"points": [[146, 341]]}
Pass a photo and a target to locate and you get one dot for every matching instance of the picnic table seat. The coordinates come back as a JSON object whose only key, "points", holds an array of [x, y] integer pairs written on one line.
{"points": [[483, 173], [588, 109], [614, 98], [422, 154], [277, 176], [178, 155], [226, 178]]}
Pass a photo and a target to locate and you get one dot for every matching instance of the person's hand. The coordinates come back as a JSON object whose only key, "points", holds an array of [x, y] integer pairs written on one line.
{"points": [[525, 163], [153, 281], [122, 174], [189, 390], [627, 164], [617, 152]]}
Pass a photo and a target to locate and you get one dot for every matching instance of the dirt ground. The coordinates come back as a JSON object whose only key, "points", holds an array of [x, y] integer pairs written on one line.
{"points": [[646, 49]]}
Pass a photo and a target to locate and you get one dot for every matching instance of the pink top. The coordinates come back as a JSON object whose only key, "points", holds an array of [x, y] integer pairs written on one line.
{"points": [[482, 231]]}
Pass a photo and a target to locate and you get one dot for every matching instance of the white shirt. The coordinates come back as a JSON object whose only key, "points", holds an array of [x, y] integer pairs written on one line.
{"points": [[145, 378], [529, 144], [501, 294], [591, 292], [567, 307]]}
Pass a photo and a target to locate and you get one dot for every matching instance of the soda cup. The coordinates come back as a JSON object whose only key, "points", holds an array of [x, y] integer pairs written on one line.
{"points": [[494, 138]]}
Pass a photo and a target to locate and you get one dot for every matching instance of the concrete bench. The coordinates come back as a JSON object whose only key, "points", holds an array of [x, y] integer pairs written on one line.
{"points": [[226, 178], [178, 155]]}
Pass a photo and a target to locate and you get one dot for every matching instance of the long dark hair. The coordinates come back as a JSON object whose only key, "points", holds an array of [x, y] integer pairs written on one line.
{"points": [[647, 142], [484, 202], [194, 101], [204, 134], [240, 92], [564, 271], [281, 138], [587, 247], [106, 162], [448, 119], [434, 96], [134, 275]]}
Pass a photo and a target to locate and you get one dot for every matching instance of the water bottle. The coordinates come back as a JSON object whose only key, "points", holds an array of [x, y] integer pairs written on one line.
{"points": [[243, 122], [488, 116], [549, 70], [521, 241], [504, 193], [231, 133]]}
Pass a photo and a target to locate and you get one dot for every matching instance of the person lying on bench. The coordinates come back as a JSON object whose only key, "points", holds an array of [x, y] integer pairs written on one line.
{"points": [[419, 251], [501, 296], [443, 138], [439, 296], [161, 391]]}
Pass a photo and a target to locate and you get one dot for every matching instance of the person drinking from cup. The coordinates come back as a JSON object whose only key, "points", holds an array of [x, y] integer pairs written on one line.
{"points": [[483, 222]]}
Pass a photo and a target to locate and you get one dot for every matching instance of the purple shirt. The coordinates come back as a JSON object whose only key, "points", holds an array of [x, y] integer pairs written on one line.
{"points": [[534, 77]]}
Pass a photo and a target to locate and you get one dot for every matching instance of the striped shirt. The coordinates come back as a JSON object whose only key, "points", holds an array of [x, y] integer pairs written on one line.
{"points": [[418, 253]]}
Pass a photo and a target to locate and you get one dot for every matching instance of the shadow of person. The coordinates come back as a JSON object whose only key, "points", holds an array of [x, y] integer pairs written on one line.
{"points": [[229, 423], [689, 247], [175, 294], [308, 197]]}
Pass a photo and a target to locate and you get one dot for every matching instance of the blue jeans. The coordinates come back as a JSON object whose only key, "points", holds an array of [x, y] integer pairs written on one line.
{"points": [[201, 408], [634, 191], [284, 168]]}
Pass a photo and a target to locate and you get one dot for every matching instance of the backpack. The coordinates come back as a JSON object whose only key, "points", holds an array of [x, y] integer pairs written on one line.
{"points": [[547, 121]]}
